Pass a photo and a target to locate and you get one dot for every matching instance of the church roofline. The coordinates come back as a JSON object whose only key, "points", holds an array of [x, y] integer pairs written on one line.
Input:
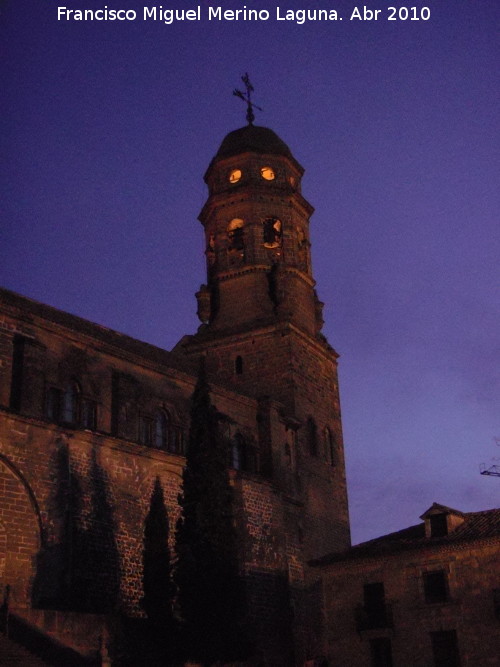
{"points": [[118, 341], [120, 345]]}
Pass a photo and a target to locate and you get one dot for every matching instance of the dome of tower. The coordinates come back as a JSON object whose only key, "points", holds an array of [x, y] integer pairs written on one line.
{"points": [[253, 139]]}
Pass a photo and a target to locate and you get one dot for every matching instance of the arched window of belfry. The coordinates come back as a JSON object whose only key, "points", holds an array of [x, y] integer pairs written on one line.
{"points": [[272, 230], [235, 234], [70, 403]]}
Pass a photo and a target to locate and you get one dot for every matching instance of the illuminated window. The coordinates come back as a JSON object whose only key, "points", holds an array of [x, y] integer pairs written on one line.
{"points": [[272, 232], [267, 173], [235, 234], [234, 175]]}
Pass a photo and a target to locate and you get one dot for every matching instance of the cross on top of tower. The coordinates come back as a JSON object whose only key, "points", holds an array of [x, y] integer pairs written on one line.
{"points": [[246, 97]]}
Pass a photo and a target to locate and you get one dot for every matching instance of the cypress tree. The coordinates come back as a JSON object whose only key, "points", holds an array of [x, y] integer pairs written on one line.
{"points": [[210, 591], [156, 645]]}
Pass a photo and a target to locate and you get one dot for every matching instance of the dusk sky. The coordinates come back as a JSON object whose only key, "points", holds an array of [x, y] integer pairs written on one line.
{"points": [[108, 128]]}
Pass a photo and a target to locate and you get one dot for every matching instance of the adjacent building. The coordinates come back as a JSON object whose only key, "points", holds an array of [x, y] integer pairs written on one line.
{"points": [[428, 595]]}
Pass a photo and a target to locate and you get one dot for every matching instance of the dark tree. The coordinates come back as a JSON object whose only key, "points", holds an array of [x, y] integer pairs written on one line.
{"points": [[158, 587], [210, 591], [157, 575]]}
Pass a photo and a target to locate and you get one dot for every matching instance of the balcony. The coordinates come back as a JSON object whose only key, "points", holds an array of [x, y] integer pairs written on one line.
{"points": [[374, 618]]}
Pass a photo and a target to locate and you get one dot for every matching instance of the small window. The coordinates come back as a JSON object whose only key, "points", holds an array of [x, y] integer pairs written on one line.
{"points": [[89, 414], [272, 232], [53, 404], [445, 648], [160, 439], [439, 525], [312, 437], [176, 440], [237, 452], [375, 613], [234, 175], [267, 173], [251, 463], [16, 387], [290, 449], [381, 652], [243, 455], [330, 446], [70, 400], [146, 431], [238, 365], [374, 596], [435, 586]]}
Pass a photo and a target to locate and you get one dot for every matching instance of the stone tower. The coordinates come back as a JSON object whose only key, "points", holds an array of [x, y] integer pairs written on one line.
{"points": [[262, 319], [261, 336]]}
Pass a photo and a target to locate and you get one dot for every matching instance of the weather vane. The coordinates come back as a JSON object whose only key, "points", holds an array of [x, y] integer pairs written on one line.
{"points": [[246, 98]]}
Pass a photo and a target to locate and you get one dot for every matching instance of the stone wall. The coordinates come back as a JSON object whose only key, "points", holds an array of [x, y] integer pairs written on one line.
{"points": [[472, 572], [74, 499]]}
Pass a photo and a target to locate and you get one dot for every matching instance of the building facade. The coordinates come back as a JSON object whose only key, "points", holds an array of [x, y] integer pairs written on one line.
{"points": [[428, 595], [91, 420]]}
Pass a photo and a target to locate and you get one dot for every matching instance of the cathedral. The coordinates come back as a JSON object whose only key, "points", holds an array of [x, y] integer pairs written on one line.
{"points": [[91, 420]]}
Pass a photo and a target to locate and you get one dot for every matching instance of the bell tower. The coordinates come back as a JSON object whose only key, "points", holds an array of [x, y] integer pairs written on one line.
{"points": [[261, 323], [260, 336], [256, 224]]}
